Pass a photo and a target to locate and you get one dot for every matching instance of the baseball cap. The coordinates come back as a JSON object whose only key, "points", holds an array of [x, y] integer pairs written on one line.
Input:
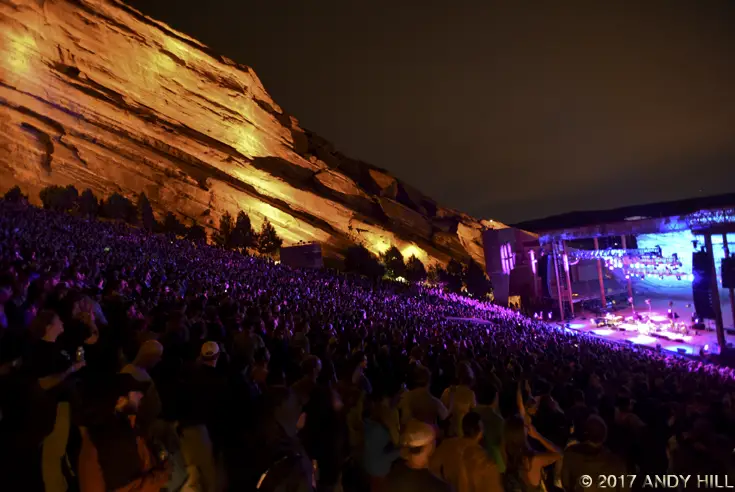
{"points": [[210, 350]]}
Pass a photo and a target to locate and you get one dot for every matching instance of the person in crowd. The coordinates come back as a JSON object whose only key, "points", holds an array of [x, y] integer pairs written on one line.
{"points": [[460, 397], [412, 473], [53, 367], [300, 339], [283, 461], [446, 462], [6, 294], [249, 341], [149, 355], [115, 454], [488, 409], [311, 367], [591, 457], [204, 418], [380, 452], [420, 404], [477, 471], [578, 413], [524, 466], [324, 436]]}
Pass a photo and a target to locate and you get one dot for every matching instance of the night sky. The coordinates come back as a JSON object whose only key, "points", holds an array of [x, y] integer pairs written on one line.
{"points": [[507, 110]]}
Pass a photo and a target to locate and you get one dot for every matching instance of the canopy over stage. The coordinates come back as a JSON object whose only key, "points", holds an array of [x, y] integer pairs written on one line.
{"points": [[713, 215]]}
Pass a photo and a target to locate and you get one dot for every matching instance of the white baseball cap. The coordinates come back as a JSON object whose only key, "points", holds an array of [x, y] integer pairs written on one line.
{"points": [[210, 350]]}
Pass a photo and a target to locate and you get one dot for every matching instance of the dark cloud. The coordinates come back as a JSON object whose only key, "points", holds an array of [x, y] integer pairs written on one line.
{"points": [[507, 110]]}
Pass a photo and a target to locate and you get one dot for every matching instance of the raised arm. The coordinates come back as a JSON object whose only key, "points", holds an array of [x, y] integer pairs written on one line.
{"points": [[54, 380], [552, 454]]}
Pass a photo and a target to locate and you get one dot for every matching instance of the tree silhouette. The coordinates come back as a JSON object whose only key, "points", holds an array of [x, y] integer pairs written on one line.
{"points": [[118, 207], [50, 196], [59, 198], [15, 195], [88, 204], [478, 284], [242, 236], [359, 260], [393, 261], [453, 276], [268, 240], [145, 212], [196, 233], [171, 225], [435, 274], [415, 270], [71, 198], [221, 237]]}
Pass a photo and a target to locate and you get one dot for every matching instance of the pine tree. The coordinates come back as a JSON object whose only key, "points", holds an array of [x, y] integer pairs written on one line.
{"points": [[117, 207], [268, 240], [70, 199], [15, 195], [415, 270], [435, 274], [88, 204], [394, 264], [453, 276], [222, 236], [171, 225], [242, 236], [145, 212], [52, 197], [478, 284], [361, 261], [196, 233]]}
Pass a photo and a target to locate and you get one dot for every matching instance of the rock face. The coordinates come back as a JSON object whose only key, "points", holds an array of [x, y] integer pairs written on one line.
{"points": [[95, 94]]}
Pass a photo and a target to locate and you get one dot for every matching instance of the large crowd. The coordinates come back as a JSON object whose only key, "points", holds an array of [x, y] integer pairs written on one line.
{"points": [[132, 361]]}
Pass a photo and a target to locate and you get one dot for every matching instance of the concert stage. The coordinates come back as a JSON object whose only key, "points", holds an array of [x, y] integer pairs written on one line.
{"points": [[655, 331]]}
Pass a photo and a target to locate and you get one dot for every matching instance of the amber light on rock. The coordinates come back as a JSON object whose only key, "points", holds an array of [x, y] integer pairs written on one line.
{"points": [[95, 94]]}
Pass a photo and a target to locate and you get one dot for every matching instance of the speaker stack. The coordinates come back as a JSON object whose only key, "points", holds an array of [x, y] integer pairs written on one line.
{"points": [[543, 267], [728, 272], [702, 285]]}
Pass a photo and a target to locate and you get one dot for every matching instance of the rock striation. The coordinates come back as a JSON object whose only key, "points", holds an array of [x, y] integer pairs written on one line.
{"points": [[93, 93]]}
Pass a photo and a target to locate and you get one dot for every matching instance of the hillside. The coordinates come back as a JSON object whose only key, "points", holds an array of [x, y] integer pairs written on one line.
{"points": [[95, 94]]}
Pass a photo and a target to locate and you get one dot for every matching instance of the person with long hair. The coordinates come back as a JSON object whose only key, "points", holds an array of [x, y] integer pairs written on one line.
{"points": [[524, 466], [463, 397]]}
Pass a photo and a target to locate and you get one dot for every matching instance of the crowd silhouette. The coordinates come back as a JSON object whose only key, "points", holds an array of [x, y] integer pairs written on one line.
{"points": [[137, 361]]}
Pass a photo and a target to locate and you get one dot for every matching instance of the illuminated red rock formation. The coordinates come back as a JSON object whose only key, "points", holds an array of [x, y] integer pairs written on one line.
{"points": [[93, 93]]}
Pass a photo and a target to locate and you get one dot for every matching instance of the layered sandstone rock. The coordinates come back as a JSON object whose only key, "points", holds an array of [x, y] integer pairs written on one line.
{"points": [[93, 93]]}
